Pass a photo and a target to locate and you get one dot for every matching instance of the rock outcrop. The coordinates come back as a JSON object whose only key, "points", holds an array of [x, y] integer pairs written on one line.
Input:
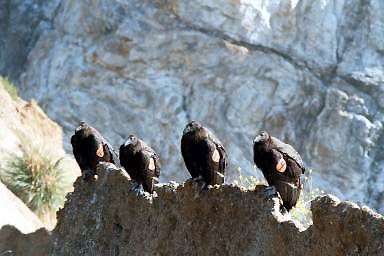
{"points": [[310, 72], [106, 217], [13, 242]]}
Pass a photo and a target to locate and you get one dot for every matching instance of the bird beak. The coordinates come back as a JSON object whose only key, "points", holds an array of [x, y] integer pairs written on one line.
{"points": [[128, 142], [257, 139]]}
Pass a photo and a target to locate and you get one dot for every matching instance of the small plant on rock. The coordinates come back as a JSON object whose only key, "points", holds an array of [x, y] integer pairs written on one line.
{"points": [[36, 178], [302, 211], [9, 87], [248, 182]]}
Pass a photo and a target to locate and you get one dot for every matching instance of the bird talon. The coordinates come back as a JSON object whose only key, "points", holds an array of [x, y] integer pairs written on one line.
{"points": [[270, 192], [88, 175], [137, 188], [198, 179], [283, 210]]}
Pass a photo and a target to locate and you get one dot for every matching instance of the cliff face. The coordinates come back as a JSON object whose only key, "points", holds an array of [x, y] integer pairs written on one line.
{"points": [[106, 218], [21, 23], [310, 72], [24, 125]]}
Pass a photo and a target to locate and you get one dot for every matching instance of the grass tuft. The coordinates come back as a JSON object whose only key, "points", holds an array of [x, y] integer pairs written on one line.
{"points": [[9, 87], [248, 182], [36, 178], [302, 211]]}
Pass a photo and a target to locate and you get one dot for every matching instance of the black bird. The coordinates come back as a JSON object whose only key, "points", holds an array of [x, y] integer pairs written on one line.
{"points": [[90, 148], [204, 155], [141, 162], [281, 166]]}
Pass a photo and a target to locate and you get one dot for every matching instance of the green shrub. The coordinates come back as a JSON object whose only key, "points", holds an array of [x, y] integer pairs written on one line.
{"points": [[9, 87], [36, 178]]}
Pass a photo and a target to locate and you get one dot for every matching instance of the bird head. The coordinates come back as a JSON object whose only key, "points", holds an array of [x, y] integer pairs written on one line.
{"points": [[261, 137], [191, 126], [132, 140], [81, 126]]}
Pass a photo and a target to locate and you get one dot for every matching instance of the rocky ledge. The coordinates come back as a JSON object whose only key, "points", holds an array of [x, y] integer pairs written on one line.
{"points": [[106, 217]]}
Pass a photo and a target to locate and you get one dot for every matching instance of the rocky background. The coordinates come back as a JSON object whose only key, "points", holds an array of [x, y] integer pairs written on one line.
{"points": [[310, 72]]}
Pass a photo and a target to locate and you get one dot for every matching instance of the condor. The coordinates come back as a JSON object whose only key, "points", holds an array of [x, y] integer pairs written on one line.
{"points": [[141, 162], [204, 155], [281, 166], [90, 148]]}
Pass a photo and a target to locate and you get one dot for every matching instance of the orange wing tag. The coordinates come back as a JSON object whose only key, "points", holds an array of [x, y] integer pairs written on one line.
{"points": [[216, 156], [100, 151], [281, 165], [151, 165]]}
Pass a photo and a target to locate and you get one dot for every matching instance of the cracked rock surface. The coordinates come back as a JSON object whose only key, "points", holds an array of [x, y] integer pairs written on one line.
{"points": [[14, 242], [310, 72], [106, 217]]}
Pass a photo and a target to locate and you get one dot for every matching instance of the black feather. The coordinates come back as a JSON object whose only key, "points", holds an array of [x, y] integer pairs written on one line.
{"points": [[198, 145], [136, 157], [267, 153], [85, 143]]}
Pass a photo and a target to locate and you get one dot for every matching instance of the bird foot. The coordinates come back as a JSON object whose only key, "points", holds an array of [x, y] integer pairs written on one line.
{"points": [[283, 210], [137, 188], [204, 185], [201, 182], [270, 192], [197, 179], [89, 175]]}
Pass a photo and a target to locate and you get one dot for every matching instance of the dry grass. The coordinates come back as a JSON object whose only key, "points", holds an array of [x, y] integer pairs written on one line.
{"points": [[248, 182], [36, 178], [302, 211]]}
